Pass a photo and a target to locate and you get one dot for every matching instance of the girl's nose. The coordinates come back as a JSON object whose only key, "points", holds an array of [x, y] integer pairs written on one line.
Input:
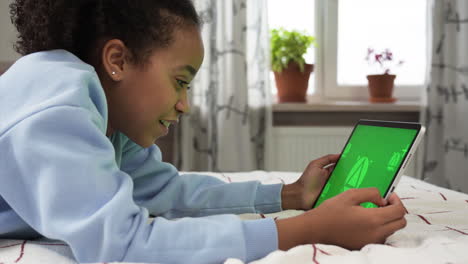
{"points": [[183, 105]]}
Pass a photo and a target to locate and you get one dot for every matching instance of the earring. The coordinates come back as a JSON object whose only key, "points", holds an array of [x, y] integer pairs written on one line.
{"points": [[113, 73]]}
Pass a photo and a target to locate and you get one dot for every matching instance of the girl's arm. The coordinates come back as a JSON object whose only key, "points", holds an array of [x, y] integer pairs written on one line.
{"points": [[60, 176], [159, 187]]}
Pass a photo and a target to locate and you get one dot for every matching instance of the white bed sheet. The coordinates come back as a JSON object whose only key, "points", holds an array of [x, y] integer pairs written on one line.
{"points": [[437, 231]]}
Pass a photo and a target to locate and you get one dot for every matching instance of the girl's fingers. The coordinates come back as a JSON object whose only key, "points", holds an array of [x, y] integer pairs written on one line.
{"points": [[325, 160], [394, 199], [391, 227], [394, 211], [359, 196]]}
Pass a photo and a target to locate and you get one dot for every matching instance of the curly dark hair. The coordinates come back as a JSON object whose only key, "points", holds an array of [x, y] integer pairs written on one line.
{"points": [[78, 25]]}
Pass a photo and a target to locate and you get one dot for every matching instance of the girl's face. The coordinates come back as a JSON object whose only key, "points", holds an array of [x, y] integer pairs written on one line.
{"points": [[145, 101]]}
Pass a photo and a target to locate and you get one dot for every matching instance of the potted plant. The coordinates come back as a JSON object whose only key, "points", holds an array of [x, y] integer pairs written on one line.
{"points": [[381, 84], [288, 64]]}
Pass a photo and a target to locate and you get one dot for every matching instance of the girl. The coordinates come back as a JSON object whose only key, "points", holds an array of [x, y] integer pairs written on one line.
{"points": [[99, 82]]}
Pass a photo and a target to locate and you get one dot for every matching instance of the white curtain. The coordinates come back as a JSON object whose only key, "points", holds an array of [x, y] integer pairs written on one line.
{"points": [[229, 126], [446, 116]]}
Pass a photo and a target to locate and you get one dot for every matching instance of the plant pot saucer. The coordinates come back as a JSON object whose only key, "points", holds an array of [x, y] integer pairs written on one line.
{"points": [[382, 99]]}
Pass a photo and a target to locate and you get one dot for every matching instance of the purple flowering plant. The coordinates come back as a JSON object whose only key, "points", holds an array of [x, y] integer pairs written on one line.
{"points": [[382, 61]]}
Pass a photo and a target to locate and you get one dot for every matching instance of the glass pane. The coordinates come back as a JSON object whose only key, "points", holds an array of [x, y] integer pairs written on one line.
{"points": [[398, 25], [294, 15]]}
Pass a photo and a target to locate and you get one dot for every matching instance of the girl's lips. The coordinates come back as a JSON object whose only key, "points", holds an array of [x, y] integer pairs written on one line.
{"points": [[164, 129]]}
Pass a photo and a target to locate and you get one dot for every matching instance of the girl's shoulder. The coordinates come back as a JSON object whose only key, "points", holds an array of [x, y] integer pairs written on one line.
{"points": [[51, 62], [58, 74], [48, 79]]}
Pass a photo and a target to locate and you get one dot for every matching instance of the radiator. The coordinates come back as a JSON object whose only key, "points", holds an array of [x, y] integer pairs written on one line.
{"points": [[294, 147]]}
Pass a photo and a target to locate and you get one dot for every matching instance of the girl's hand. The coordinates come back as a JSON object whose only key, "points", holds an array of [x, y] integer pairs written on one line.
{"points": [[303, 193], [352, 226], [343, 222]]}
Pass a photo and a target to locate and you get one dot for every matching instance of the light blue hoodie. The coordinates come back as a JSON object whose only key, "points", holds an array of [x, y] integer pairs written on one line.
{"points": [[62, 178]]}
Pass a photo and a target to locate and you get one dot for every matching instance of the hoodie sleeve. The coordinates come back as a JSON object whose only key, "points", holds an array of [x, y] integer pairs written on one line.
{"points": [[159, 187], [61, 178]]}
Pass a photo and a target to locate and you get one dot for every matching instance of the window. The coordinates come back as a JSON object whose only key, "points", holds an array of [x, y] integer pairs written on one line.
{"points": [[294, 15], [345, 29]]}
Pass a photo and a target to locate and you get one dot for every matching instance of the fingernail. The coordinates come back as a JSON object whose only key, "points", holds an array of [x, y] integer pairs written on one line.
{"points": [[384, 201]]}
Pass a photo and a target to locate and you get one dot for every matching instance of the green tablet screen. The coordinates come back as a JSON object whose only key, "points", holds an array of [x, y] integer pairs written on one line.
{"points": [[371, 158]]}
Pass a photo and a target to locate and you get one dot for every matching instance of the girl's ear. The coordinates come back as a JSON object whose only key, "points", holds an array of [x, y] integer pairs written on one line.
{"points": [[115, 59]]}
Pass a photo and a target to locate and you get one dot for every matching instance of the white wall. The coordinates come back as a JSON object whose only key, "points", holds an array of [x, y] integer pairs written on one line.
{"points": [[7, 34]]}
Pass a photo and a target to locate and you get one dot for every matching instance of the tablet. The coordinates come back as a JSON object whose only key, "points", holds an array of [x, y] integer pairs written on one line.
{"points": [[375, 155]]}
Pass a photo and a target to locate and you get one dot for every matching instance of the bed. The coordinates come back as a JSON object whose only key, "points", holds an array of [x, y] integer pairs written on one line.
{"points": [[437, 231]]}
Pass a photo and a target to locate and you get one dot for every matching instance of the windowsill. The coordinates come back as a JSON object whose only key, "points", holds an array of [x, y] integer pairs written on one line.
{"points": [[347, 106], [343, 113]]}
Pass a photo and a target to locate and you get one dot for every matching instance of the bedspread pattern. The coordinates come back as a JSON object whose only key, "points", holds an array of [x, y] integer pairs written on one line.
{"points": [[437, 231]]}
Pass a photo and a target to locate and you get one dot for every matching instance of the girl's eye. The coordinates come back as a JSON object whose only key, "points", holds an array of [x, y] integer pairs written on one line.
{"points": [[183, 84]]}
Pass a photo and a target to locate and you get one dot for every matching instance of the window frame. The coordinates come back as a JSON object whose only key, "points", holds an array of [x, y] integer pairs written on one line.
{"points": [[326, 60]]}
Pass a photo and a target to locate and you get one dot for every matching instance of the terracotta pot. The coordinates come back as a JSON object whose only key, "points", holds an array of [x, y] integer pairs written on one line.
{"points": [[292, 83], [381, 88]]}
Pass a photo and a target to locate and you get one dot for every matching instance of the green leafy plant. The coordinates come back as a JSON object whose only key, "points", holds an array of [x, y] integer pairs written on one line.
{"points": [[288, 46]]}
